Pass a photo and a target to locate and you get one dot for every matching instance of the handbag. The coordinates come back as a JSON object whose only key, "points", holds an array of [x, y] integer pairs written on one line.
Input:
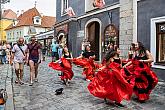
{"points": [[3, 96]]}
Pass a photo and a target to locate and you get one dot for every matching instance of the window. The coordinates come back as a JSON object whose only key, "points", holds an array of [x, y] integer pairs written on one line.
{"points": [[17, 34], [160, 43], [110, 36], [12, 37], [64, 6], [20, 34]]}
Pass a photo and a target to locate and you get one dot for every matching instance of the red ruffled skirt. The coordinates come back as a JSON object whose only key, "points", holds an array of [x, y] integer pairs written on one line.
{"points": [[109, 83], [88, 65], [145, 79], [65, 67]]}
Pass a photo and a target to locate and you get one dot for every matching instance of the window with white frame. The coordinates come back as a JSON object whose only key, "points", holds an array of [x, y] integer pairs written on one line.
{"points": [[160, 43], [64, 6]]}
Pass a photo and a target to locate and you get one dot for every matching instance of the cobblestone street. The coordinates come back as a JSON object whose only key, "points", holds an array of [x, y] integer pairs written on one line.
{"points": [[41, 96]]}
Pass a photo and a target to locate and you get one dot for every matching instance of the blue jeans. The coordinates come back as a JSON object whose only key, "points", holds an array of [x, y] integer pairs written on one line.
{"points": [[2, 59]]}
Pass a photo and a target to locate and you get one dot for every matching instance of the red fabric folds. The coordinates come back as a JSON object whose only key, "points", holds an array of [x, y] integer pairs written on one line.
{"points": [[89, 66], [109, 83], [65, 67], [145, 79]]}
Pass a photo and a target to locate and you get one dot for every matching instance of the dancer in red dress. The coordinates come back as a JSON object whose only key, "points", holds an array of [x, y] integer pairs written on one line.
{"points": [[109, 82], [145, 79], [64, 65], [86, 60]]}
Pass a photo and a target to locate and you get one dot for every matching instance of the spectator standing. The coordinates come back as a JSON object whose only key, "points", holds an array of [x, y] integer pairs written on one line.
{"points": [[34, 59], [19, 55], [2, 53], [60, 50], [54, 50]]}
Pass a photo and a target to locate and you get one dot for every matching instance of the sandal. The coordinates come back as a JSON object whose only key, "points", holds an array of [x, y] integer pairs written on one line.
{"points": [[21, 82], [16, 81]]}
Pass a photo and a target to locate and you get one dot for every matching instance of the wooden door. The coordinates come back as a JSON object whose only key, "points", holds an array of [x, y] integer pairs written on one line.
{"points": [[93, 37]]}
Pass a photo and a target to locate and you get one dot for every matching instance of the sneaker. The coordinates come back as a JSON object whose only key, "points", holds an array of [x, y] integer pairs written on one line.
{"points": [[35, 80], [31, 83]]}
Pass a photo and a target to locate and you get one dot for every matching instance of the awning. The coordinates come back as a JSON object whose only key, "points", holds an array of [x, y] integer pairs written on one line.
{"points": [[45, 35]]}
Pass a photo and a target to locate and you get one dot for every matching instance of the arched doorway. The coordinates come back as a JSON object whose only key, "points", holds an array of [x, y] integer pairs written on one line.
{"points": [[93, 36], [62, 39]]}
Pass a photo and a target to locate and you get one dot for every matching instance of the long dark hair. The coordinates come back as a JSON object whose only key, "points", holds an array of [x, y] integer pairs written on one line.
{"points": [[63, 51], [111, 53], [86, 48], [133, 46], [142, 49]]}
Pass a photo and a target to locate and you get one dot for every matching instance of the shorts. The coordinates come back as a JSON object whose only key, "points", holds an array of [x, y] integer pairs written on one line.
{"points": [[34, 59], [18, 66]]}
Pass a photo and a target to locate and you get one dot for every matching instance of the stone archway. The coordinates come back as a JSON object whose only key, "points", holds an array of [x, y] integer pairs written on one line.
{"points": [[93, 35], [62, 39]]}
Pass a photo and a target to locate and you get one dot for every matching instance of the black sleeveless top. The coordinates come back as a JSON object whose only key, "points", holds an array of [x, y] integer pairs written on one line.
{"points": [[67, 56], [117, 60], [88, 54], [141, 57], [130, 56]]}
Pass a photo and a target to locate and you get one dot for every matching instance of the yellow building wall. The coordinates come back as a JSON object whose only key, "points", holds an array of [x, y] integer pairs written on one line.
{"points": [[4, 23]]}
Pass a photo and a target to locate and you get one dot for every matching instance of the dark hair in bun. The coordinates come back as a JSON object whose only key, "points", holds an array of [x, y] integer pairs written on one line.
{"points": [[111, 53]]}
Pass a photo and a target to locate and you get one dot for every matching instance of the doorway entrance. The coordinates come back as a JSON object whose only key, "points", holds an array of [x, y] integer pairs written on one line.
{"points": [[93, 36]]}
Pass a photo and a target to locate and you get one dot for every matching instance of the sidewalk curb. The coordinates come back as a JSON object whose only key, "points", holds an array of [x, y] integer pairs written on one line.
{"points": [[9, 88]]}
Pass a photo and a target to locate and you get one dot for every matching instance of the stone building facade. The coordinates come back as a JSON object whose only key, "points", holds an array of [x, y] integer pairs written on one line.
{"points": [[119, 21]]}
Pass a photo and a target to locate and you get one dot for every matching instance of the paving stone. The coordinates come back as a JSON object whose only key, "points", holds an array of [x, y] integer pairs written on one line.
{"points": [[41, 96]]}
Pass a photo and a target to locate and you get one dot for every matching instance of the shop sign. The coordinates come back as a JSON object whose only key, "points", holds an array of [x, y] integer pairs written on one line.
{"points": [[80, 33]]}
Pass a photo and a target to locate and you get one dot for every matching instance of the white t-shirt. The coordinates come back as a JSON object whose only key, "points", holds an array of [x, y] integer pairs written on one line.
{"points": [[18, 55]]}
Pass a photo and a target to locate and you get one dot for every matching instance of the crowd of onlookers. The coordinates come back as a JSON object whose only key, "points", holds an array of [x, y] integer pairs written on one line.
{"points": [[5, 52]]}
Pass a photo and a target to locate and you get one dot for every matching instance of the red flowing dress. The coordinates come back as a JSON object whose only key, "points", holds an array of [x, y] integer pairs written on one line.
{"points": [[110, 84], [89, 66], [65, 67], [145, 78]]}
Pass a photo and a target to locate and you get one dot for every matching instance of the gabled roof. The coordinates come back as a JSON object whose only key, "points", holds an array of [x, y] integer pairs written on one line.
{"points": [[9, 14], [48, 21], [26, 19]]}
